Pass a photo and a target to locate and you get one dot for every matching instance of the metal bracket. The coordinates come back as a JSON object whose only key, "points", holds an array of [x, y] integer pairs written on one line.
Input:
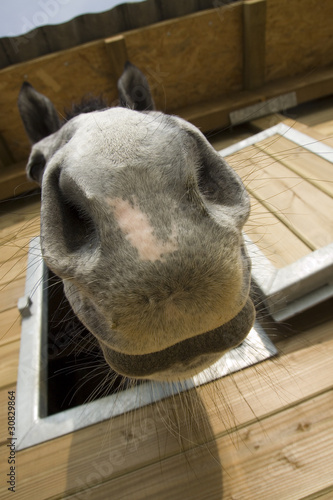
{"points": [[263, 108]]}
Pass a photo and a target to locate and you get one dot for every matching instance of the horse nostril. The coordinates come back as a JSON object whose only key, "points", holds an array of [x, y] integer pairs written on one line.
{"points": [[67, 224], [78, 227]]}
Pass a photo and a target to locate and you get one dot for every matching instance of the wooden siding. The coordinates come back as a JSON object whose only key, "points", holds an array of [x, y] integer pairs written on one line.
{"points": [[201, 66]]}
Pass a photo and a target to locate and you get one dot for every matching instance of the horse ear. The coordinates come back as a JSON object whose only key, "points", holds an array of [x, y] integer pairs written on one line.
{"points": [[38, 114], [134, 91]]}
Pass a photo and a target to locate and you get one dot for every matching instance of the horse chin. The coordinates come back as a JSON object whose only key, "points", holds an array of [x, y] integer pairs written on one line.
{"points": [[187, 358]]}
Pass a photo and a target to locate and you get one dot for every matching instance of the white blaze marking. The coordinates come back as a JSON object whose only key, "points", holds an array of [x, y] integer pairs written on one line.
{"points": [[139, 232]]}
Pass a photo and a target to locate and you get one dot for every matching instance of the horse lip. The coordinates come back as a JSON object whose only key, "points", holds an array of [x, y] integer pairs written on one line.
{"points": [[216, 341]]}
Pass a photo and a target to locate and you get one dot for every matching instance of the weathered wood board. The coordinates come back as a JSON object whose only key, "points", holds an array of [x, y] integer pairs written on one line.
{"points": [[200, 66]]}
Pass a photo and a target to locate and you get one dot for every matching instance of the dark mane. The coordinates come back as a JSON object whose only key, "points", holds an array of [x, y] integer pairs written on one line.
{"points": [[88, 103]]}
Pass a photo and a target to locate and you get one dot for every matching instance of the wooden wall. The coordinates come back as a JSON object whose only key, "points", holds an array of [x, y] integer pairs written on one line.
{"points": [[201, 66], [88, 27], [299, 37]]}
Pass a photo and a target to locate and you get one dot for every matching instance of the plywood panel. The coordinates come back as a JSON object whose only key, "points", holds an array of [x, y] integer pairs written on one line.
{"points": [[64, 77], [191, 59], [298, 37]]}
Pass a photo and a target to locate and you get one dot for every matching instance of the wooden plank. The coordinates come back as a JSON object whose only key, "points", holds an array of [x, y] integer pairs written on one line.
{"points": [[295, 201], [276, 241], [13, 181], [15, 239], [117, 52], [311, 167], [223, 138], [327, 494], [14, 248], [88, 68], [18, 234], [10, 322], [214, 114], [5, 154], [9, 363], [304, 47], [11, 270], [65, 77], [210, 115], [19, 210], [88, 27], [325, 128], [291, 451], [115, 448], [311, 131], [4, 59], [11, 293], [4, 414], [19, 222], [189, 59], [267, 121], [254, 19]]}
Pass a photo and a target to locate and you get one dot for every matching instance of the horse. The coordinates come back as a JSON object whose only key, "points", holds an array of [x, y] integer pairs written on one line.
{"points": [[142, 221]]}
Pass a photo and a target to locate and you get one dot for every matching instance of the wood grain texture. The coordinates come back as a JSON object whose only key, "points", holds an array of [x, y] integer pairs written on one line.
{"points": [[276, 240], [89, 27], [311, 131], [270, 456], [10, 322], [11, 292], [86, 66], [311, 167], [5, 154], [13, 180], [191, 59], [3, 420], [296, 202], [298, 37], [214, 114], [129, 445], [9, 363]]}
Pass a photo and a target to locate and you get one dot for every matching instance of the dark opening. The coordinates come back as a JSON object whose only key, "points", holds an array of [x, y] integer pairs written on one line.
{"points": [[76, 370]]}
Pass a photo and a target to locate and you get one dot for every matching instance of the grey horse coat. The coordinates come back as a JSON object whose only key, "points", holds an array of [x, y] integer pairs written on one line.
{"points": [[142, 220]]}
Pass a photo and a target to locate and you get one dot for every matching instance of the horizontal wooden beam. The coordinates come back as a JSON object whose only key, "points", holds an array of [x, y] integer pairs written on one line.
{"points": [[215, 114], [207, 116], [13, 181], [6, 157]]}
